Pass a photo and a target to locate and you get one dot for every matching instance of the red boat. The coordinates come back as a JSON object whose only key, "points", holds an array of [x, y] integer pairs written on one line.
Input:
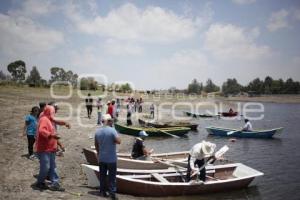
{"points": [[229, 114]]}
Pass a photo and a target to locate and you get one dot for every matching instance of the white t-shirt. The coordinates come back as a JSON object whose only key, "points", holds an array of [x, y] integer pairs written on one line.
{"points": [[248, 126]]}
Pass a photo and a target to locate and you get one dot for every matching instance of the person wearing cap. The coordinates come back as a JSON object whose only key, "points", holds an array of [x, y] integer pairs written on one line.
{"points": [[247, 126], [139, 151], [30, 129], [197, 156], [106, 139]]}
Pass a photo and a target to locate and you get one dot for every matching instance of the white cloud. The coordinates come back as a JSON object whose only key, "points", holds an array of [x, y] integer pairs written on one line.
{"points": [[32, 8], [128, 22], [243, 2], [231, 42], [21, 35], [278, 20], [297, 14], [119, 47]]}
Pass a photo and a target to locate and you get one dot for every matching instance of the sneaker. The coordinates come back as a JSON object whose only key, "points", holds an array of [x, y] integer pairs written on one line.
{"points": [[32, 157], [40, 186], [103, 194], [113, 197], [56, 187]]}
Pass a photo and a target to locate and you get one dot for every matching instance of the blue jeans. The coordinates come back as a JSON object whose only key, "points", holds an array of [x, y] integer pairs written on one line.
{"points": [[47, 167], [111, 168], [99, 118]]}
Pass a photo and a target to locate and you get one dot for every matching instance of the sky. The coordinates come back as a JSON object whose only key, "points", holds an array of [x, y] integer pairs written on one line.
{"points": [[154, 44]]}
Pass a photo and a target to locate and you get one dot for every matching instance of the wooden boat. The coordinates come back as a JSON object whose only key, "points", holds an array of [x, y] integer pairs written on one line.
{"points": [[228, 114], [152, 132], [156, 125], [219, 178], [198, 115], [218, 131], [125, 161]]}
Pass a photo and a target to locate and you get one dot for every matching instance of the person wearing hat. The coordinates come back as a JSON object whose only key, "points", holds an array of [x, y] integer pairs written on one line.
{"points": [[106, 139], [197, 156], [139, 150], [247, 126], [30, 129]]}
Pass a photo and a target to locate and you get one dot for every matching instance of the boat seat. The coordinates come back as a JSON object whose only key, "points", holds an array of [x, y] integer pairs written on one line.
{"points": [[211, 171], [159, 178]]}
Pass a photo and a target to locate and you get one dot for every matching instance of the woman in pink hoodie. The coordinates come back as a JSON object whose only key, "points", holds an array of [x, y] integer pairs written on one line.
{"points": [[46, 146]]}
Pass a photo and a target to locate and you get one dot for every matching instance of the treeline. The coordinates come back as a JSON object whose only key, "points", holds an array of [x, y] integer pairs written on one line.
{"points": [[18, 76], [255, 87]]}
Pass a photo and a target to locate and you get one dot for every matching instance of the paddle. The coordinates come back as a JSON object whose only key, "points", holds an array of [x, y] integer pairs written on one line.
{"points": [[175, 136], [217, 155], [232, 132]]}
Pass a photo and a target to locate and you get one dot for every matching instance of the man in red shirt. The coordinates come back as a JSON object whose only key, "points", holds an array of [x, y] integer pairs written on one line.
{"points": [[110, 109], [46, 147]]}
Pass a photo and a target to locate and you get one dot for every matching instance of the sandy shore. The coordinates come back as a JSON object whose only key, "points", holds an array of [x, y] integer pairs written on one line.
{"points": [[17, 172]]}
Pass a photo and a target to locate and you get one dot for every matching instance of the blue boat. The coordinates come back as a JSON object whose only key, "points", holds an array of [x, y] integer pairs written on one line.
{"points": [[227, 132]]}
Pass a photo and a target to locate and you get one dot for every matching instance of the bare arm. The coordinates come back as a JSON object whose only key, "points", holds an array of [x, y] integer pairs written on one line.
{"points": [[118, 140], [62, 123]]}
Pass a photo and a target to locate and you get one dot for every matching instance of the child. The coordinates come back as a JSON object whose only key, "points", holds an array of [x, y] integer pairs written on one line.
{"points": [[30, 129]]}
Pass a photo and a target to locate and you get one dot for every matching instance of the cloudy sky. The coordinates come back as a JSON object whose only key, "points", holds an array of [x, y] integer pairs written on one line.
{"points": [[154, 44]]}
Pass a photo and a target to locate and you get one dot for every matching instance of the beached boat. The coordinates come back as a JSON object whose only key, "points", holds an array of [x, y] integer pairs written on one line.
{"points": [[198, 115], [152, 132], [179, 124], [126, 162], [218, 131], [219, 178], [228, 114]]}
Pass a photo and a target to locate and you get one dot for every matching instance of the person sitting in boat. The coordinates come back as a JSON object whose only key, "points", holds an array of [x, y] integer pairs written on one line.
{"points": [[198, 156], [231, 111], [247, 126], [139, 151]]}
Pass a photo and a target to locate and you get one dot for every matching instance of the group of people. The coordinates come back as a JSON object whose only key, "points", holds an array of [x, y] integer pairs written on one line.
{"points": [[43, 143]]}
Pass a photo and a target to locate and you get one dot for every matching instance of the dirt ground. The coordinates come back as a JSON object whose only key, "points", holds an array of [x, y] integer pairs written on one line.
{"points": [[17, 171]]}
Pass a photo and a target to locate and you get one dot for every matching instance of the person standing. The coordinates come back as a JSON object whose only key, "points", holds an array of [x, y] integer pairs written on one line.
{"points": [[89, 105], [110, 109], [46, 147], [247, 126], [100, 108], [106, 139], [30, 129], [152, 108], [130, 106], [198, 156]]}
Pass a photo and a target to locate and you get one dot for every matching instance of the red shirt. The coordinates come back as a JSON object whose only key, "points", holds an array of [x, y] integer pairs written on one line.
{"points": [[110, 110]]}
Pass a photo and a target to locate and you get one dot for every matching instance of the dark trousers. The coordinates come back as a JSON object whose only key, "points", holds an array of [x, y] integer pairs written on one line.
{"points": [[31, 141], [129, 122], [89, 110], [198, 163], [110, 184]]}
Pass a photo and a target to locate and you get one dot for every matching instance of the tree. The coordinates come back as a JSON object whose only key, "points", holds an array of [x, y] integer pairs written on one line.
{"points": [[17, 70], [291, 87], [4, 77], [125, 88], [211, 87], [195, 87], [267, 85], [57, 74], [34, 78], [231, 86], [256, 86]]}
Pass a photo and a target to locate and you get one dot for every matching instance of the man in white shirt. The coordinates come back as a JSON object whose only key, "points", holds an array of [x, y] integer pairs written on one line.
{"points": [[197, 156], [247, 126]]}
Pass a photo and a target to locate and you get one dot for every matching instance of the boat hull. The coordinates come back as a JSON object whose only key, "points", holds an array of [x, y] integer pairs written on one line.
{"points": [[193, 127], [228, 177], [223, 132], [198, 115], [152, 132]]}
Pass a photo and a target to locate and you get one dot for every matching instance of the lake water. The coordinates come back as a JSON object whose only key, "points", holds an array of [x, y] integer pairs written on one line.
{"points": [[277, 158]]}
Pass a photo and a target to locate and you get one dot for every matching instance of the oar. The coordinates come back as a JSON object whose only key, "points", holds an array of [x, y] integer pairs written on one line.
{"points": [[217, 155], [175, 136], [232, 132]]}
